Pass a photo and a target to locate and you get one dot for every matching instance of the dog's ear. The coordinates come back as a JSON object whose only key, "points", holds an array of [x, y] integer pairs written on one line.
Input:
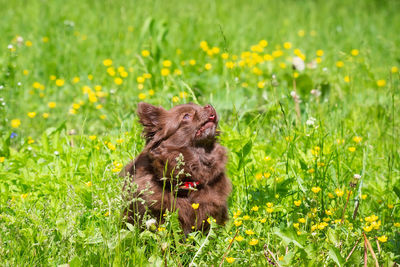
{"points": [[151, 118]]}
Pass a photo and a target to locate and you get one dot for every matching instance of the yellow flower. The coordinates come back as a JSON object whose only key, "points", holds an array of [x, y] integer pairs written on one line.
{"points": [[381, 83], [15, 123], [382, 239], [51, 104], [111, 146], [90, 77], [28, 43], [258, 176], [339, 192], [75, 80], [328, 212], [367, 228], [316, 189], [92, 137], [237, 223], [160, 229], [53, 77], [175, 99], [330, 195], [352, 149], [59, 82], [208, 66], [107, 62], [287, 45], [363, 197], [145, 53], [354, 52], [142, 96], [106, 214], [24, 196], [224, 55], [165, 72], [263, 220], [167, 63], [88, 184], [249, 232], [195, 206], [239, 238], [311, 170], [320, 53], [32, 114], [192, 62], [390, 206], [394, 69], [2, 159], [270, 210], [301, 220], [282, 65], [118, 81], [255, 208], [346, 79], [297, 203], [111, 71], [237, 214], [270, 205], [301, 33], [253, 242], [397, 224], [357, 139], [230, 259], [261, 84], [371, 218], [339, 64], [45, 39]]}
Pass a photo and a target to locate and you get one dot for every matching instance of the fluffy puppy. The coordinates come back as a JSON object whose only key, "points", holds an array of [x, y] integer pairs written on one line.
{"points": [[182, 164]]}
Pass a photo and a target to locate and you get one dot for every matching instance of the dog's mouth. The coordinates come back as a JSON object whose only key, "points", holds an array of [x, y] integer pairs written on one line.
{"points": [[208, 128]]}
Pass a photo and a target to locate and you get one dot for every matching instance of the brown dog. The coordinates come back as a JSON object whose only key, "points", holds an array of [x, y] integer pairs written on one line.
{"points": [[182, 164]]}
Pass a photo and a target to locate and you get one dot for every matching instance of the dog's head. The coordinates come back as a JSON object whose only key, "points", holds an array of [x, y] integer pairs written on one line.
{"points": [[182, 125]]}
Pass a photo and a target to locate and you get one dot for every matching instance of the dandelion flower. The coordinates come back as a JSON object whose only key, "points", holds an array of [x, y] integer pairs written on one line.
{"points": [[394, 69], [107, 62], [51, 104], [145, 53], [255, 208], [165, 72], [230, 259], [316, 189], [297, 203], [195, 206], [239, 238], [15, 123], [118, 81], [253, 242], [287, 45], [92, 137], [88, 184], [301, 220], [249, 232], [346, 79], [382, 239], [381, 83], [237, 223], [60, 82], [354, 52], [31, 115], [208, 66], [352, 149], [339, 64], [167, 63], [339, 192]]}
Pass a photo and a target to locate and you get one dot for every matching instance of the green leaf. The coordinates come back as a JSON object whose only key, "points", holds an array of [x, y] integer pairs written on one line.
{"points": [[288, 237], [396, 191], [334, 253]]}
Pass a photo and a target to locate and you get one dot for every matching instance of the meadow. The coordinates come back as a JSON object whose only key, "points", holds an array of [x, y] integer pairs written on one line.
{"points": [[307, 93]]}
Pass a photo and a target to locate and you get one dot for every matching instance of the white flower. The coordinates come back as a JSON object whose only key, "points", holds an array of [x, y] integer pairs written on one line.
{"points": [[20, 39], [357, 176], [310, 121], [298, 64], [316, 92], [56, 153], [10, 46], [150, 223]]}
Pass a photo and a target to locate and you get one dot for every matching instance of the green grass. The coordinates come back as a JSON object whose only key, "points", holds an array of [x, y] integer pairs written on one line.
{"points": [[60, 194]]}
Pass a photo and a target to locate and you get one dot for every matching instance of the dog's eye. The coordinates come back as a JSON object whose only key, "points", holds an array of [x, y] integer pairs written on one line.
{"points": [[186, 116]]}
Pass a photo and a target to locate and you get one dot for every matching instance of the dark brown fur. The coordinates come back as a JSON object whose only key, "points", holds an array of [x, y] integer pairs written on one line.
{"points": [[189, 130]]}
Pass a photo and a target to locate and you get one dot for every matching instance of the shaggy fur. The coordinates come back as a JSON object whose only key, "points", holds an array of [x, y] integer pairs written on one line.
{"points": [[187, 131]]}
